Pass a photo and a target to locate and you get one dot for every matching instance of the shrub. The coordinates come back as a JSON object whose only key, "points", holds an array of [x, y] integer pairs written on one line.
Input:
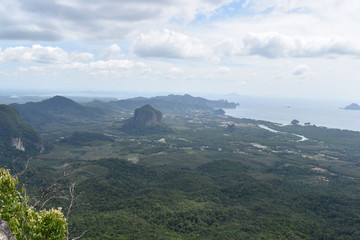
{"points": [[25, 222]]}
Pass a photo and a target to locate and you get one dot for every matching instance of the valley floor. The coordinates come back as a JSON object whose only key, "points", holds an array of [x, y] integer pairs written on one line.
{"points": [[213, 177]]}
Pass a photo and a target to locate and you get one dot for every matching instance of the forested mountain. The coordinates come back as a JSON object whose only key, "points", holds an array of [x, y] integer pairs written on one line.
{"points": [[17, 138], [57, 110], [53, 108]]}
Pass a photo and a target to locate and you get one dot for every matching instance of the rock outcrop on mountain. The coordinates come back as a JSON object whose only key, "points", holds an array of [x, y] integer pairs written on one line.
{"points": [[147, 116], [18, 144], [146, 120]]}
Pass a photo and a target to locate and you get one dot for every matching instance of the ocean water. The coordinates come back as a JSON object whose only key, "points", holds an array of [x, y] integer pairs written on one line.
{"points": [[318, 112]]}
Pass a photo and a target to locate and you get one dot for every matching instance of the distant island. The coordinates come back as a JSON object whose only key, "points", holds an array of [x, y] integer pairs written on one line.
{"points": [[352, 106]]}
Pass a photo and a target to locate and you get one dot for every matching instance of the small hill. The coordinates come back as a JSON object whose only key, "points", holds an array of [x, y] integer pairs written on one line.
{"points": [[146, 120], [352, 106], [63, 105], [55, 110], [16, 137]]}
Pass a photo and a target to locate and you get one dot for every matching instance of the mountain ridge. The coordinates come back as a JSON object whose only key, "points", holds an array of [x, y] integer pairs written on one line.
{"points": [[167, 104]]}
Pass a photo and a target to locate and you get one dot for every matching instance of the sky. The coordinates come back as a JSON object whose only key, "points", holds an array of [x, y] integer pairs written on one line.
{"points": [[269, 48]]}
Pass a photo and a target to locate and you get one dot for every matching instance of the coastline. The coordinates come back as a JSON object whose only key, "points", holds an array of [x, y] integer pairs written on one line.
{"points": [[320, 114]]}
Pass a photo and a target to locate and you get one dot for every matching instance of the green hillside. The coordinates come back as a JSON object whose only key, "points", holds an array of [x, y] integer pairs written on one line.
{"points": [[58, 115], [84, 138], [57, 109], [222, 199], [17, 139]]}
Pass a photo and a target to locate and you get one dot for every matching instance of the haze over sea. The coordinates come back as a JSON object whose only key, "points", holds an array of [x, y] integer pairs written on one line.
{"points": [[317, 112]]}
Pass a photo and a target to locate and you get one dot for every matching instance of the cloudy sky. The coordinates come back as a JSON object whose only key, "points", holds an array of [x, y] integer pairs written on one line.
{"points": [[283, 48]]}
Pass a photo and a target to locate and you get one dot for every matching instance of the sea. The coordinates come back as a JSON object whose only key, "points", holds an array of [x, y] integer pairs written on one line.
{"points": [[323, 113]]}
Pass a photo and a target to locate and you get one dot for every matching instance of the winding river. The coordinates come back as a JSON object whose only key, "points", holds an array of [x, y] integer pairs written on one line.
{"points": [[302, 138]]}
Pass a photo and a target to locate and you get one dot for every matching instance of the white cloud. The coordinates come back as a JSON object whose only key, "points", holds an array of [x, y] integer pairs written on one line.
{"points": [[169, 44], [112, 51], [267, 45], [38, 53], [110, 64], [105, 73], [111, 68], [305, 6], [277, 5], [228, 47], [223, 70], [176, 70], [95, 20], [301, 70], [276, 45], [32, 69]]}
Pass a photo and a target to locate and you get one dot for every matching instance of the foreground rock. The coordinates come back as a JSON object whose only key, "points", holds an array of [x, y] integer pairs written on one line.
{"points": [[5, 233]]}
